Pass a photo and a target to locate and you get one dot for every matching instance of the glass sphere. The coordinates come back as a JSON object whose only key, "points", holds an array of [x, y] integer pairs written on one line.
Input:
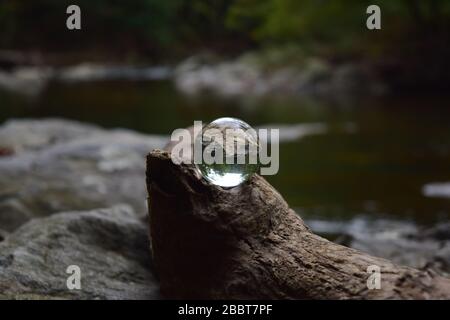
{"points": [[229, 152]]}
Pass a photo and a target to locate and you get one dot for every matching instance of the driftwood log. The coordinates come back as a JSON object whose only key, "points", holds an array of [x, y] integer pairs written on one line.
{"points": [[246, 243]]}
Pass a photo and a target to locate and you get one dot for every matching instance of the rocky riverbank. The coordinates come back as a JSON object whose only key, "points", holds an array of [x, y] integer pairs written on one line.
{"points": [[74, 194], [259, 75], [275, 72]]}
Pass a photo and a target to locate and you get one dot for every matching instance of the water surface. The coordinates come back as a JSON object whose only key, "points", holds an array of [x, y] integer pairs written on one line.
{"points": [[374, 159]]}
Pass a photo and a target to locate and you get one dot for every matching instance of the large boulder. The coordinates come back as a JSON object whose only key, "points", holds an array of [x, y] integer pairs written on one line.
{"points": [[110, 246], [57, 165]]}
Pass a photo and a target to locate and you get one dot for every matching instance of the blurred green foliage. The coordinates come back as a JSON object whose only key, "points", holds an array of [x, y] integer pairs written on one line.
{"points": [[162, 26], [338, 24], [107, 24]]}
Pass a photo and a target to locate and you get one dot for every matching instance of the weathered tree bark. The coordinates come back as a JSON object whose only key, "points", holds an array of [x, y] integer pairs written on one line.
{"points": [[246, 243]]}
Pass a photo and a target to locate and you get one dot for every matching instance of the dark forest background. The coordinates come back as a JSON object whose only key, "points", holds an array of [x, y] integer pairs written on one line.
{"points": [[413, 41]]}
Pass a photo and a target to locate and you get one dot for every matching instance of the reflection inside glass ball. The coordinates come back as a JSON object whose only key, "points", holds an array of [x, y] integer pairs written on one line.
{"points": [[229, 152]]}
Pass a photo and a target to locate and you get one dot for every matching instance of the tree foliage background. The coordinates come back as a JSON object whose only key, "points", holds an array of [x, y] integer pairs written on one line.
{"points": [[162, 28]]}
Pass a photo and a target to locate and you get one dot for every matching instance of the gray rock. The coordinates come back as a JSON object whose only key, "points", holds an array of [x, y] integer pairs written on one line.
{"points": [[227, 79], [241, 77], [402, 242], [62, 165], [436, 189], [439, 232], [32, 80], [33, 135], [3, 235], [95, 72], [293, 132], [13, 213], [110, 246], [26, 80]]}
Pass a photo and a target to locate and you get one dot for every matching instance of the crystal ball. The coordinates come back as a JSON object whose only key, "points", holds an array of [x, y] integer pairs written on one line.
{"points": [[229, 152]]}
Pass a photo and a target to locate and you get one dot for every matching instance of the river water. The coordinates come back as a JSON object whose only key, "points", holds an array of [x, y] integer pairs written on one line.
{"points": [[375, 158]]}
